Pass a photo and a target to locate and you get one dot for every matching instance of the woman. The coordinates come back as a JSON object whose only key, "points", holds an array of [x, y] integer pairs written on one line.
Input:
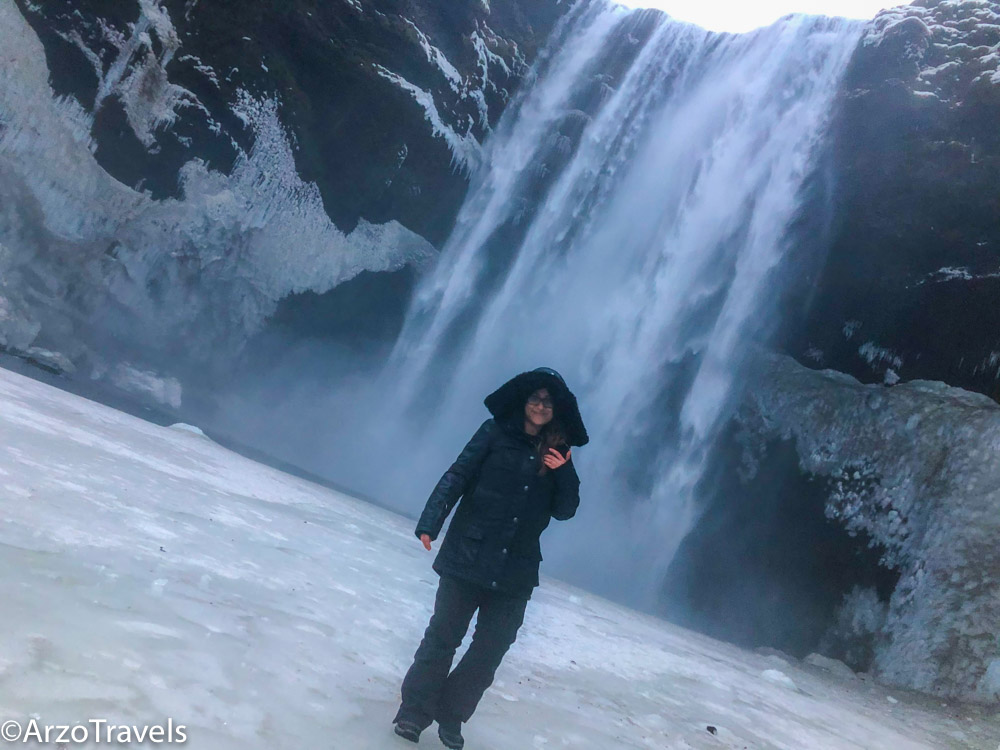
{"points": [[514, 476]]}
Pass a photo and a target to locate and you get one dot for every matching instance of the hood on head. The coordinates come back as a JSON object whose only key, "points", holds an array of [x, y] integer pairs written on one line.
{"points": [[508, 401]]}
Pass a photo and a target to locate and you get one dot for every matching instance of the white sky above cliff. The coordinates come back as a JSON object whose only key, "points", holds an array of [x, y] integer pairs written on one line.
{"points": [[740, 15]]}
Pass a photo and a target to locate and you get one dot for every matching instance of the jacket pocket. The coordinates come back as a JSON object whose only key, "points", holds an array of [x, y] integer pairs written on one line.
{"points": [[469, 545]]}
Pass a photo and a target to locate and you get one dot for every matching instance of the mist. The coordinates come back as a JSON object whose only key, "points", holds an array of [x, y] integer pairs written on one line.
{"points": [[629, 228]]}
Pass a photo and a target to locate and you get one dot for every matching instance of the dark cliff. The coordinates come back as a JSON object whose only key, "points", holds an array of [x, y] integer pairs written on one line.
{"points": [[912, 275], [339, 70], [210, 167]]}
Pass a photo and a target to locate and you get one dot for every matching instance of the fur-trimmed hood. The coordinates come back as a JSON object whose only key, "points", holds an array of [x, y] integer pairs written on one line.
{"points": [[508, 401]]}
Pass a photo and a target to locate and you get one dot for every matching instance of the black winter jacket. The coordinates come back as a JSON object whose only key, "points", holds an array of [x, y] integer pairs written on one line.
{"points": [[493, 539]]}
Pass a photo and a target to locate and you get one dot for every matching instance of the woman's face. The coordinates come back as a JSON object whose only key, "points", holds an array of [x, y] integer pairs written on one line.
{"points": [[538, 409]]}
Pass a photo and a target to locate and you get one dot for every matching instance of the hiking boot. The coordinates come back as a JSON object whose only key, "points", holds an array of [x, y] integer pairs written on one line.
{"points": [[451, 736], [408, 730]]}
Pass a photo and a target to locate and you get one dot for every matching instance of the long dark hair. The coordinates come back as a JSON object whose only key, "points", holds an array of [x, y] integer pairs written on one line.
{"points": [[552, 435]]}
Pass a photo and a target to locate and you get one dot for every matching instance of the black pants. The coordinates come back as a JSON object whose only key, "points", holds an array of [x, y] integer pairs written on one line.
{"points": [[429, 692]]}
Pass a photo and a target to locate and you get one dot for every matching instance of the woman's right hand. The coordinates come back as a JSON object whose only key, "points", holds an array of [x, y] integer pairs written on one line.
{"points": [[554, 459], [426, 540]]}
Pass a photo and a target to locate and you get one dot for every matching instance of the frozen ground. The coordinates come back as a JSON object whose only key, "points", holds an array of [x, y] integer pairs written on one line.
{"points": [[150, 574]]}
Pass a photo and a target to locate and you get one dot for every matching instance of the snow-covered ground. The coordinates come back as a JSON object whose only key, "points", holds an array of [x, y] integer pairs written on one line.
{"points": [[149, 574]]}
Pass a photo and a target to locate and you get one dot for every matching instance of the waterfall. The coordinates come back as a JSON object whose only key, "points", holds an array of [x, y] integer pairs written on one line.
{"points": [[627, 228], [627, 225]]}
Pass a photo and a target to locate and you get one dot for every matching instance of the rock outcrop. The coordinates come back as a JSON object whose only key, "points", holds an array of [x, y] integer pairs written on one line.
{"points": [[386, 101], [912, 467]]}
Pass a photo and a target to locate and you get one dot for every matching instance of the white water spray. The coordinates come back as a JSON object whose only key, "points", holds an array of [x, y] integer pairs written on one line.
{"points": [[651, 249]]}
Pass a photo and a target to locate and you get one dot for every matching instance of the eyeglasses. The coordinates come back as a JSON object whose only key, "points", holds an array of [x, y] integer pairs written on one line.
{"points": [[536, 401]]}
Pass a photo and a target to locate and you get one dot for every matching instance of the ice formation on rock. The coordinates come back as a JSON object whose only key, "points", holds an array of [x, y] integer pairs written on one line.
{"points": [[206, 269], [130, 379], [913, 466], [128, 66]]}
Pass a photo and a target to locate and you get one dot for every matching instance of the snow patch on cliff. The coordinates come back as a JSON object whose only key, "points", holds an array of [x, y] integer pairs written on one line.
{"points": [[206, 70], [436, 56], [954, 43], [482, 39], [490, 66], [877, 355], [954, 273], [897, 20], [465, 149]]}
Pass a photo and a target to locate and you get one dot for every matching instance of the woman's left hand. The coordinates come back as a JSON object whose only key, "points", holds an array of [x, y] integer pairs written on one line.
{"points": [[554, 459]]}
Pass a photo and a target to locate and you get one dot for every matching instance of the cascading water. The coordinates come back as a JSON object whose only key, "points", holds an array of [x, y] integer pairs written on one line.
{"points": [[628, 229]]}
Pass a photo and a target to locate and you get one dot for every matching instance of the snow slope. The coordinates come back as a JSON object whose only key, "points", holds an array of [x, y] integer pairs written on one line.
{"points": [[150, 574]]}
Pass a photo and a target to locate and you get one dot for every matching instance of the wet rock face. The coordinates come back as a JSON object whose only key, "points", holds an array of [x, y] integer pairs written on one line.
{"points": [[387, 101], [909, 287]]}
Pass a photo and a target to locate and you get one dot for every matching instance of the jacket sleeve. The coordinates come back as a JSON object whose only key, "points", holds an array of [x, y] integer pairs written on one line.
{"points": [[567, 498], [459, 477]]}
